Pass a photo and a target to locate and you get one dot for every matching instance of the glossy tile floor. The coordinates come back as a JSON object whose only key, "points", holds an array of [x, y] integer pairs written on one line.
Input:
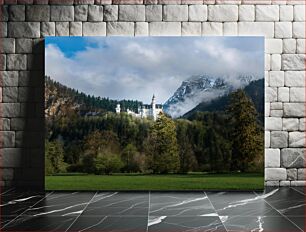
{"points": [[274, 210]]}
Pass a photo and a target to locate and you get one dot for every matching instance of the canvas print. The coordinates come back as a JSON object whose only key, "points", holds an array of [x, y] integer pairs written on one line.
{"points": [[154, 113]]}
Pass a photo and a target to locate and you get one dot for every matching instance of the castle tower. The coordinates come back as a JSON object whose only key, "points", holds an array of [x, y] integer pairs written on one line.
{"points": [[118, 109], [154, 114]]}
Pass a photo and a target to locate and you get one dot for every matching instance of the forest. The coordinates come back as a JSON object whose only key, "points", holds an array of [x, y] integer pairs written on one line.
{"points": [[84, 135]]}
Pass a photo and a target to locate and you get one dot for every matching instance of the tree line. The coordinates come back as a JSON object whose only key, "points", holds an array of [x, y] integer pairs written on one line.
{"points": [[220, 141]]}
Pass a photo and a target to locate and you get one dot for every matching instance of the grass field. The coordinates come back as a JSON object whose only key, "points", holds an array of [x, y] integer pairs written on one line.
{"points": [[250, 181]]}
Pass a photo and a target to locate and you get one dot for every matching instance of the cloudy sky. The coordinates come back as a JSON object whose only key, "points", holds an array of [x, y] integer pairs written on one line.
{"points": [[136, 67]]}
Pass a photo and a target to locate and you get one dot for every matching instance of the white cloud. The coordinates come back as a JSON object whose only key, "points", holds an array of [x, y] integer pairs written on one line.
{"points": [[135, 68]]}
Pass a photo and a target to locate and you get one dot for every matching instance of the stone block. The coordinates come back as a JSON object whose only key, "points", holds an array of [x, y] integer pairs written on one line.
{"points": [[273, 46], [110, 12], [164, 28], [120, 28], [296, 139], [62, 28], [302, 124], [197, 13], [289, 46], [17, 13], [154, 13], [300, 47], [194, 2], [267, 109], [222, 13], [62, 13], [267, 62], [212, 28], [279, 139], [283, 30], [150, 2], [18, 124], [256, 28], [293, 158], [272, 158], [175, 13], [271, 94], [84, 2], [297, 183], [9, 78], [276, 113], [267, 138], [286, 13], [8, 139], [290, 124], [230, 28], [38, 13], [272, 183], [75, 29], [12, 157], [292, 174], [191, 28], [141, 29], [24, 29], [11, 110], [276, 106], [9, 94], [80, 13], [24, 45], [95, 13], [94, 28], [47, 29], [298, 30], [294, 110], [2, 62], [273, 123], [301, 174], [246, 13], [103, 2], [284, 183], [61, 2], [127, 2], [276, 62], [293, 61], [267, 13], [299, 13], [4, 15], [131, 13], [174, 2], [8, 45], [275, 174], [3, 29], [295, 78], [16, 62], [277, 78], [297, 94]]}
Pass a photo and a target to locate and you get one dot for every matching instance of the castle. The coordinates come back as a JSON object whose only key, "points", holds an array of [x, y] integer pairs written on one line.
{"points": [[145, 111]]}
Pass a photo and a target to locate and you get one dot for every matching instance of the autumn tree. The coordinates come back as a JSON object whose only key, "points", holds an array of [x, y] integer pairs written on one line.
{"points": [[162, 147], [247, 137], [54, 157]]}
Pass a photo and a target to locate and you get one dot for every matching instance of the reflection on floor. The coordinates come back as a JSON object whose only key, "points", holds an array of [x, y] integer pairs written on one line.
{"points": [[274, 210]]}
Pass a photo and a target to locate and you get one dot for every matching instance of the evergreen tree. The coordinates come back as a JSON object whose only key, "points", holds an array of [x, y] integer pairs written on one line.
{"points": [[188, 161], [247, 138], [162, 147]]}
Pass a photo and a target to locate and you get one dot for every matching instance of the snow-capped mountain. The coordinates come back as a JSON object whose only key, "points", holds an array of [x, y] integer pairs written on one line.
{"points": [[202, 88]]}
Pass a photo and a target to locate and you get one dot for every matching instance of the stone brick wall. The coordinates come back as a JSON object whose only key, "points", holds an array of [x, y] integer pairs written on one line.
{"points": [[24, 24]]}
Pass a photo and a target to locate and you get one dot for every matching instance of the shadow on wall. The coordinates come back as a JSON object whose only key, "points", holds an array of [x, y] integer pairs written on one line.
{"points": [[30, 135]]}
